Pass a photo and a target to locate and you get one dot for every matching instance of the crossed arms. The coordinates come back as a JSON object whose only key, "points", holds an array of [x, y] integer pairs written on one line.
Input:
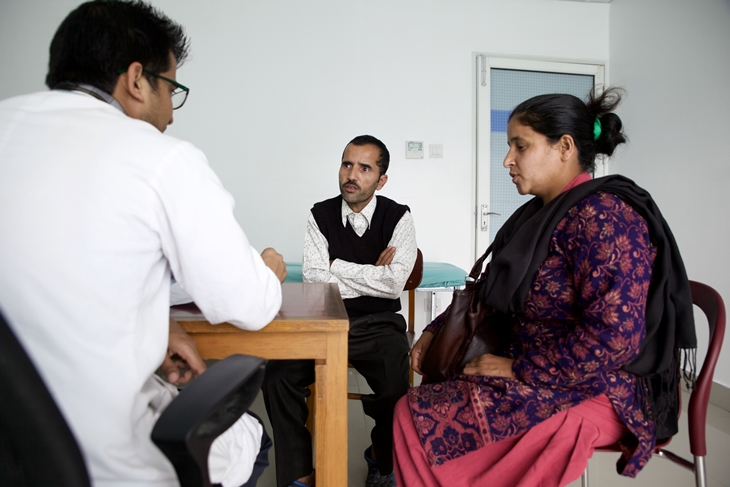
{"points": [[384, 279]]}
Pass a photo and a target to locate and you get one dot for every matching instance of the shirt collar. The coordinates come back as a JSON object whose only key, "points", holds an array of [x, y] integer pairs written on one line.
{"points": [[579, 179], [366, 212], [92, 91]]}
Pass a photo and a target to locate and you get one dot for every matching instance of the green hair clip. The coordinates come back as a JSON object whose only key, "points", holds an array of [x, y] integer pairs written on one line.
{"points": [[596, 129]]}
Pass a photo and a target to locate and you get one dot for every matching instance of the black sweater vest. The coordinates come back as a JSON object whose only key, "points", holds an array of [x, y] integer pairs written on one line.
{"points": [[344, 244]]}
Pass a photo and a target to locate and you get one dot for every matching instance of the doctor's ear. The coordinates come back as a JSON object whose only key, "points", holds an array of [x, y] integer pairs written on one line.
{"points": [[130, 81]]}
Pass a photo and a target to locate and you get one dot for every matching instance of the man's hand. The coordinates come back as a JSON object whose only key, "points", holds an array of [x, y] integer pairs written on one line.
{"points": [[491, 365], [182, 356], [275, 261], [419, 349], [386, 257]]}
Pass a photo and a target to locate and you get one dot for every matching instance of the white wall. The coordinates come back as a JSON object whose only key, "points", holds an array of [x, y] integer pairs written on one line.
{"points": [[279, 87], [672, 57]]}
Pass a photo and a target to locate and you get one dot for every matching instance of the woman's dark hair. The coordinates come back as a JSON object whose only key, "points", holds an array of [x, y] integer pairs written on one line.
{"points": [[383, 160], [558, 114], [100, 39]]}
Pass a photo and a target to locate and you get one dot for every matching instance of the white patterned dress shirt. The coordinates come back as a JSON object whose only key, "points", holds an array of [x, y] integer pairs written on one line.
{"points": [[355, 280]]}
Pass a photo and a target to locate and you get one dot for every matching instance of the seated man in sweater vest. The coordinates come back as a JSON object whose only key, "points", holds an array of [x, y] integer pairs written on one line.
{"points": [[367, 245]]}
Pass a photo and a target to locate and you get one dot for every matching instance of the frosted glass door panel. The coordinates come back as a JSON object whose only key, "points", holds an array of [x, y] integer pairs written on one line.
{"points": [[509, 88], [501, 85]]}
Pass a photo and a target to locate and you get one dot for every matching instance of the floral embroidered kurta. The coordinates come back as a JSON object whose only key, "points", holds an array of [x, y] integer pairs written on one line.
{"points": [[583, 320]]}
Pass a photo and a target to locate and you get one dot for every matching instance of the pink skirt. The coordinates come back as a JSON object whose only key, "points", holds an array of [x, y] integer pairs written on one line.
{"points": [[552, 453]]}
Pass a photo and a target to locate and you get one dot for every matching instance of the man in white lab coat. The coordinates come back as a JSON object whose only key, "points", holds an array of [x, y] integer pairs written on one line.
{"points": [[97, 208]]}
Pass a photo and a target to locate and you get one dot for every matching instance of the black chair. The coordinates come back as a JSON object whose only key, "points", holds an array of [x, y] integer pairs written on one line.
{"points": [[37, 448], [36, 445], [207, 407]]}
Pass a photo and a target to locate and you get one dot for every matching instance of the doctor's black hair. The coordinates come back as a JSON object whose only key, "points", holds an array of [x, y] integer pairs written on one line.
{"points": [[556, 115], [98, 40], [383, 160]]}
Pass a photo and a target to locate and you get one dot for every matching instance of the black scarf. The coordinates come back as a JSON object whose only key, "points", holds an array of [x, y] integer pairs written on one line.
{"points": [[522, 244]]}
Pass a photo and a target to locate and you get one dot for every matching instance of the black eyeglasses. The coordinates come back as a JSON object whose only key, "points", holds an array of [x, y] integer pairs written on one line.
{"points": [[178, 96]]}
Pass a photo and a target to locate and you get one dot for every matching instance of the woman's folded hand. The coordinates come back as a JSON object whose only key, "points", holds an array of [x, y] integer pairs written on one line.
{"points": [[491, 365]]}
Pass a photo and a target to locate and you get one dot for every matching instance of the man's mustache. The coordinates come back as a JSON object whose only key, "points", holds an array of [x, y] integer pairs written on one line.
{"points": [[351, 182]]}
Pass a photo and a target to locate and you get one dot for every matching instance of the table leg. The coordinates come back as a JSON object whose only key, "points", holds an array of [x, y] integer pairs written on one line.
{"points": [[331, 416]]}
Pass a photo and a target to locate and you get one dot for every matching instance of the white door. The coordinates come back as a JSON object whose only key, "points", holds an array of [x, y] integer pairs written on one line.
{"points": [[501, 85]]}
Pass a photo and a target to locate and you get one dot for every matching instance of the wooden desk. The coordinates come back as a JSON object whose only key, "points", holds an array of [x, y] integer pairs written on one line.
{"points": [[312, 324]]}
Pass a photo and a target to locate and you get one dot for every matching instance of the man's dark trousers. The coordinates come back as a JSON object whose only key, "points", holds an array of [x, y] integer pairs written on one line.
{"points": [[378, 349]]}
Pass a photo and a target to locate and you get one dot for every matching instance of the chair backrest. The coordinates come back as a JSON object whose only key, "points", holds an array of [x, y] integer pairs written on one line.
{"points": [[38, 448], [36, 445], [712, 305], [206, 408], [416, 274]]}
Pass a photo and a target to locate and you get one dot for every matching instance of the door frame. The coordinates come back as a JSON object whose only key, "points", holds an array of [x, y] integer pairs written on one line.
{"points": [[482, 123]]}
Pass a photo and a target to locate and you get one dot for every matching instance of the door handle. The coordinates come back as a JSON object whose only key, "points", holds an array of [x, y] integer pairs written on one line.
{"points": [[485, 217]]}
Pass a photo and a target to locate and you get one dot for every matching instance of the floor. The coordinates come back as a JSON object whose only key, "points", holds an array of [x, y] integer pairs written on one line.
{"points": [[602, 470]]}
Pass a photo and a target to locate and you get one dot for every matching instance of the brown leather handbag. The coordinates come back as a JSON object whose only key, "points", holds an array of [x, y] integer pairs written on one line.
{"points": [[471, 328]]}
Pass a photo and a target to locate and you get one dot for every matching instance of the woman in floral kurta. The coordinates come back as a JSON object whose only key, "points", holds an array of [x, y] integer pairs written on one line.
{"points": [[583, 319]]}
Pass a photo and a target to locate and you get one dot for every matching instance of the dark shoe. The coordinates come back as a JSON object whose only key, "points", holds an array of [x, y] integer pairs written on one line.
{"points": [[375, 478]]}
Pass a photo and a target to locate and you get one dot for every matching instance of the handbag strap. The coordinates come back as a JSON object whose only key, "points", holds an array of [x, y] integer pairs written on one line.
{"points": [[477, 269]]}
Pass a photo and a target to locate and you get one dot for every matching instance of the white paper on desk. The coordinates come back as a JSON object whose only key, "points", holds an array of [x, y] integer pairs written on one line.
{"points": [[178, 295]]}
